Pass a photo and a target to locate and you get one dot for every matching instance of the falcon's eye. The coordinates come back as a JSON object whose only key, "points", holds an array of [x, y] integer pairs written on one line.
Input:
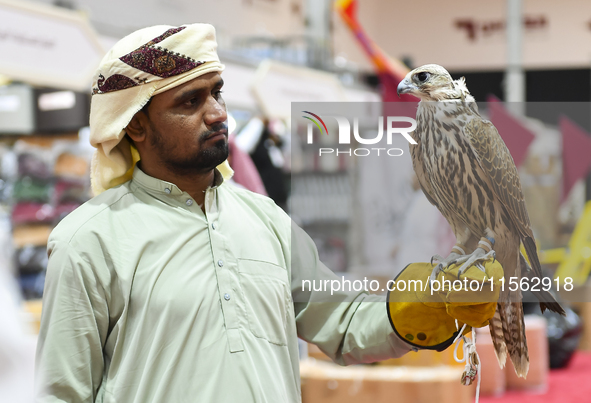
{"points": [[422, 76]]}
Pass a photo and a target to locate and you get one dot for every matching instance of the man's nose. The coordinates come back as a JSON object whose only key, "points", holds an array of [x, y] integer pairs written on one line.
{"points": [[216, 112]]}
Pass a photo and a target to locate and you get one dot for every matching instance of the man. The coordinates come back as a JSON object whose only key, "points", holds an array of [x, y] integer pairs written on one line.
{"points": [[171, 286]]}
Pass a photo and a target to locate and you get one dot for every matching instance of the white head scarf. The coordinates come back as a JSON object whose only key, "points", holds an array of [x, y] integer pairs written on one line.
{"points": [[145, 63]]}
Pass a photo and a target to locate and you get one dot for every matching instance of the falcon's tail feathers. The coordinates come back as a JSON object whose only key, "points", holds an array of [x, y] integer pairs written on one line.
{"points": [[547, 300], [514, 332], [496, 333], [532, 253], [553, 306]]}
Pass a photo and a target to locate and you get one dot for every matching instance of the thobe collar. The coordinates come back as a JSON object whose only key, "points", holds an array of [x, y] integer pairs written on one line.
{"points": [[164, 190], [160, 186]]}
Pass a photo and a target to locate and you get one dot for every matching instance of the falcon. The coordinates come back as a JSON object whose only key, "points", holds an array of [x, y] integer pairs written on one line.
{"points": [[466, 171]]}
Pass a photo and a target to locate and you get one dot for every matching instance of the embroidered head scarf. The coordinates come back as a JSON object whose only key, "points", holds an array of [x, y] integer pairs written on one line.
{"points": [[139, 66]]}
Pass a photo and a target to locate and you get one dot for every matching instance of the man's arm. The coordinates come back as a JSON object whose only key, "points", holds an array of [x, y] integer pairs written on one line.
{"points": [[74, 327], [350, 327]]}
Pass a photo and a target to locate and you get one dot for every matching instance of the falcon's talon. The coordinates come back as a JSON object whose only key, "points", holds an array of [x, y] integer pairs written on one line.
{"points": [[444, 263], [434, 273], [436, 257], [476, 256]]}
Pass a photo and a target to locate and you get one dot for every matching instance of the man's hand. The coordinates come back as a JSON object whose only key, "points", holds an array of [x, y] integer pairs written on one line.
{"points": [[424, 312]]}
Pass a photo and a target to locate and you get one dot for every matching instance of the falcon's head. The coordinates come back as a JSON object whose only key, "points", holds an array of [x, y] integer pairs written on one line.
{"points": [[432, 82]]}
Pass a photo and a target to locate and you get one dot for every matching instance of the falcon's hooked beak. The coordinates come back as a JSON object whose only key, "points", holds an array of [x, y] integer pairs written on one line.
{"points": [[405, 87]]}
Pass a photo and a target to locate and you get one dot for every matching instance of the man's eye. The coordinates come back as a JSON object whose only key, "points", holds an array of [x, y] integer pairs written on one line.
{"points": [[218, 93]]}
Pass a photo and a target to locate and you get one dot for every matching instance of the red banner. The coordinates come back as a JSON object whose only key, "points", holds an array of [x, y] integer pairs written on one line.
{"points": [[576, 154], [515, 135], [390, 71]]}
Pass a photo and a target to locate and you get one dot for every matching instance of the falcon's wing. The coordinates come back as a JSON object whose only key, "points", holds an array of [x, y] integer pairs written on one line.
{"points": [[496, 161]]}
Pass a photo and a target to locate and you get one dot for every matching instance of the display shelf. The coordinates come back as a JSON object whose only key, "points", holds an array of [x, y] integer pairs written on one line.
{"points": [[46, 177], [33, 235]]}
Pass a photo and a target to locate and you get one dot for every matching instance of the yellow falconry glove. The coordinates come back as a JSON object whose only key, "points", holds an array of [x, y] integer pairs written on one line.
{"points": [[424, 314]]}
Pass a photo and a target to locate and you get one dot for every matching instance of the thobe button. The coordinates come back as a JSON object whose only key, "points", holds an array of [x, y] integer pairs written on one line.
{"points": [[227, 296], [213, 226], [167, 190], [221, 263], [189, 202]]}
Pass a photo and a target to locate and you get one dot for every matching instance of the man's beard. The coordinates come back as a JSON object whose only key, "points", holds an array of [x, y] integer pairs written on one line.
{"points": [[203, 161]]}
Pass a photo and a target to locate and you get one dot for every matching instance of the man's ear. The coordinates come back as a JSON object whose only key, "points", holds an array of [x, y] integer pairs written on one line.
{"points": [[136, 129]]}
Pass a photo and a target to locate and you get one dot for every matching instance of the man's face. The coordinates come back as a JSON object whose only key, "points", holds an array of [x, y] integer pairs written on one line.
{"points": [[187, 125]]}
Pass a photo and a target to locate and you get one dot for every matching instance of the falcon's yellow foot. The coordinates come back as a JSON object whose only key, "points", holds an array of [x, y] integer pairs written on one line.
{"points": [[444, 263], [479, 255]]}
